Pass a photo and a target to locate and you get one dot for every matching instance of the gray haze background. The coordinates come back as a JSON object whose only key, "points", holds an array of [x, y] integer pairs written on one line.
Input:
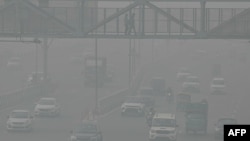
{"points": [[164, 60]]}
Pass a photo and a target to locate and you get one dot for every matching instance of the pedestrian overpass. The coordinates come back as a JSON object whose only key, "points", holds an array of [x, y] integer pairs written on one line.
{"points": [[21, 18]]}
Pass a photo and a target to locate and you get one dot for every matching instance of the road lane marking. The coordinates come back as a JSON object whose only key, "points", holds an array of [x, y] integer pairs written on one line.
{"points": [[109, 113]]}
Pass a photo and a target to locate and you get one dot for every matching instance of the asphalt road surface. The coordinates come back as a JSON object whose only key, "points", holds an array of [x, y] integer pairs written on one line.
{"points": [[169, 56], [184, 54], [74, 98]]}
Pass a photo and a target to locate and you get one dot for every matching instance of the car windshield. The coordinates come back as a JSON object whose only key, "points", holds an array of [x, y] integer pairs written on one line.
{"points": [[222, 122], [218, 82], [133, 100], [46, 102], [195, 116], [162, 122], [86, 128], [19, 115]]}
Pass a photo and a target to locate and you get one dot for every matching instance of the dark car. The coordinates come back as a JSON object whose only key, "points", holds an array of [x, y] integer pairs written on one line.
{"points": [[146, 91], [148, 101], [158, 84], [86, 131], [219, 126]]}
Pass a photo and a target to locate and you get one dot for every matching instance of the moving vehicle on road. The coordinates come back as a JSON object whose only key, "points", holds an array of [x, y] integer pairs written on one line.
{"points": [[35, 77], [158, 84], [14, 63], [90, 71], [47, 107], [216, 70], [148, 98], [197, 117], [147, 91], [88, 130], [148, 101], [133, 105], [163, 126], [218, 86], [20, 120], [219, 126], [183, 74], [191, 85], [182, 101]]}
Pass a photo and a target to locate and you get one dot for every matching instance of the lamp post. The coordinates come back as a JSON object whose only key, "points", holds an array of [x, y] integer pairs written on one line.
{"points": [[96, 77]]}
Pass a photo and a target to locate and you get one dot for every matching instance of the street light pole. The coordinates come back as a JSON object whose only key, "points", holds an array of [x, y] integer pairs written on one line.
{"points": [[129, 64], [96, 71], [36, 63], [152, 51]]}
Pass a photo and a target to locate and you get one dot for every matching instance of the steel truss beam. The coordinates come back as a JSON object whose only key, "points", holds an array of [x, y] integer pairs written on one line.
{"points": [[115, 36], [45, 14], [110, 18], [173, 0], [168, 15], [7, 5], [220, 26], [139, 3]]}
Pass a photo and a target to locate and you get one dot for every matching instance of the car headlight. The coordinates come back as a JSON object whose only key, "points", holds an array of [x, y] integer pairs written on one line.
{"points": [[152, 131], [9, 123], [73, 138], [36, 109], [217, 129], [93, 138]]}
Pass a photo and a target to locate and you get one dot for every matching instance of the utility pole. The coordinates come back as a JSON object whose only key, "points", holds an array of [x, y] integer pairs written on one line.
{"points": [[96, 77], [36, 63], [152, 52], [129, 64]]}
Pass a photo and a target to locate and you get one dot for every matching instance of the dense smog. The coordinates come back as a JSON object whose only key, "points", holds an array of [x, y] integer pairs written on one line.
{"points": [[125, 81]]}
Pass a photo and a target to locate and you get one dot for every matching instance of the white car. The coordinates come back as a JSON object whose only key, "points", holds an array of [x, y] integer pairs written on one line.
{"points": [[218, 86], [163, 126], [133, 105], [183, 74], [87, 131], [191, 85], [47, 107], [14, 63], [20, 120]]}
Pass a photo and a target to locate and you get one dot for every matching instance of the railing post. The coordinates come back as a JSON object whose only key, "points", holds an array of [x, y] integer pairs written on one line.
{"points": [[202, 32], [81, 16]]}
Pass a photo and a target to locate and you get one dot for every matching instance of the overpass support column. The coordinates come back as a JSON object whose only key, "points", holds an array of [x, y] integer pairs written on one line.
{"points": [[81, 16], [203, 19]]}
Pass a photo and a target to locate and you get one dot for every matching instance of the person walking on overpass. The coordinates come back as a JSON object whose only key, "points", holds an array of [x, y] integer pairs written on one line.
{"points": [[132, 23]]}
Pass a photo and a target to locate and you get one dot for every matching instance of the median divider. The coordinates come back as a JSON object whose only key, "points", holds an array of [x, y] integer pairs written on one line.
{"points": [[111, 102], [25, 94], [115, 100]]}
